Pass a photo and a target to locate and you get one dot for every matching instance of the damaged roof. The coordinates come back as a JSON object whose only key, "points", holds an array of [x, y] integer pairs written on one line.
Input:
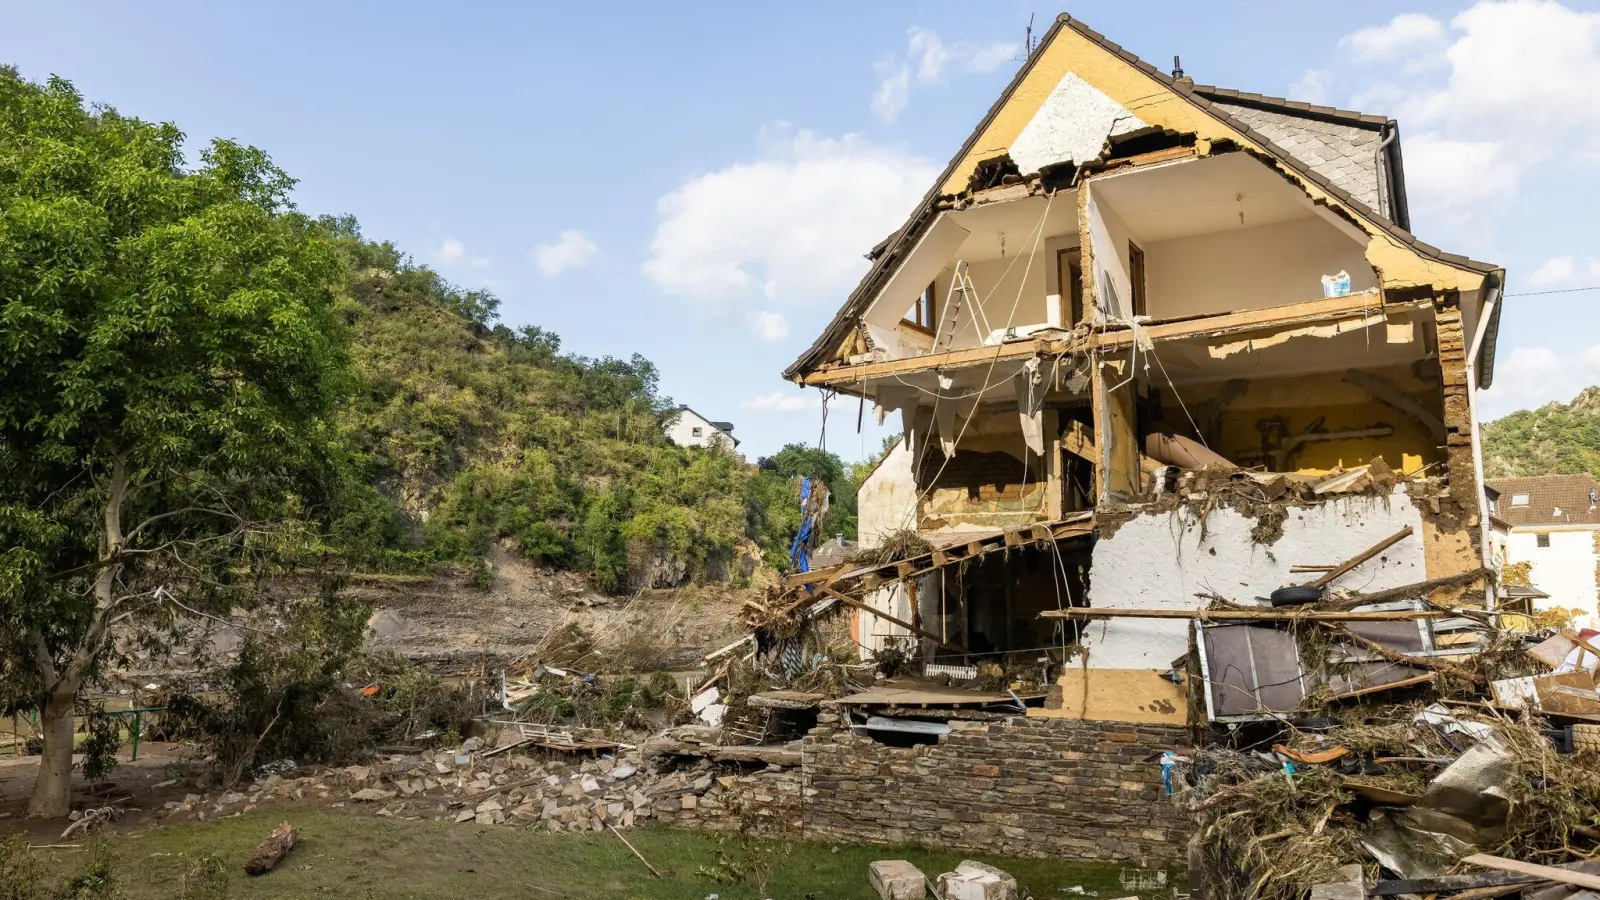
{"points": [[887, 255], [1359, 153], [1552, 500]]}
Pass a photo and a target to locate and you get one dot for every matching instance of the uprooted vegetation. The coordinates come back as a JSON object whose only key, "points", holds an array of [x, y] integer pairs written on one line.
{"points": [[306, 692]]}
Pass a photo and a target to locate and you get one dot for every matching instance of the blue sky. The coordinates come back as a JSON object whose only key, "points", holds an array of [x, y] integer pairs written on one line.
{"points": [[697, 182]]}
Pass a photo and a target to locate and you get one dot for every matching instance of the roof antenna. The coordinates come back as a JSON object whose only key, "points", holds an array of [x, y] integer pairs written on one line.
{"points": [[1027, 40], [1177, 66]]}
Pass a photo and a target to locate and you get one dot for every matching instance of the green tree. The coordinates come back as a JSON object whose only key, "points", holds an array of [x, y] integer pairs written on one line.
{"points": [[169, 355]]}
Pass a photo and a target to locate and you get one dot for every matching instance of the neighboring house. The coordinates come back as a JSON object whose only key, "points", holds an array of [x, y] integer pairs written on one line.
{"points": [[690, 429], [1120, 272], [1552, 522]]}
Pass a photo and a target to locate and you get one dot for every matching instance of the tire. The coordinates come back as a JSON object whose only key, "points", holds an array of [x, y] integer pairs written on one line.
{"points": [[1295, 595]]}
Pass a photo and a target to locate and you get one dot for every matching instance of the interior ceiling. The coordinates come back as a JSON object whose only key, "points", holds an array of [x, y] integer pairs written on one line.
{"points": [[1009, 226], [1201, 197], [1190, 361]]}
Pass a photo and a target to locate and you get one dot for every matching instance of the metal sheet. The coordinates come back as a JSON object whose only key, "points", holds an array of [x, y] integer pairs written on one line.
{"points": [[1251, 670]]}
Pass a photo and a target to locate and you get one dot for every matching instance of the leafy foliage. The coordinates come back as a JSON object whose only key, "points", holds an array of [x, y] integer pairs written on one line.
{"points": [[472, 432], [1555, 439], [170, 352]]}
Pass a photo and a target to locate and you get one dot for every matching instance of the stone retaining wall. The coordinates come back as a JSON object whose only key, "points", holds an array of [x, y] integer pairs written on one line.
{"points": [[1021, 787]]}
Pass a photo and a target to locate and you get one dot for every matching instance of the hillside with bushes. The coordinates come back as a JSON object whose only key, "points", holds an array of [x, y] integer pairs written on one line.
{"points": [[1555, 439], [469, 433]]}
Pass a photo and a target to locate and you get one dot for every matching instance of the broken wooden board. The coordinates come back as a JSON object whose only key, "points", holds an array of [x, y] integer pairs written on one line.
{"points": [[964, 545], [786, 699], [1245, 615], [927, 695]]}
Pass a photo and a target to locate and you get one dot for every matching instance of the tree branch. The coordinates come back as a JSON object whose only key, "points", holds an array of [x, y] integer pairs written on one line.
{"points": [[228, 514]]}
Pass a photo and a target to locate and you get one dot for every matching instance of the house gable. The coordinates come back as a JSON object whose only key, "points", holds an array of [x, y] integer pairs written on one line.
{"points": [[1079, 94]]}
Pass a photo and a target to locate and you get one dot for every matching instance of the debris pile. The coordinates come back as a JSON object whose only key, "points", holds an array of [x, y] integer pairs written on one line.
{"points": [[581, 789], [1484, 783]]}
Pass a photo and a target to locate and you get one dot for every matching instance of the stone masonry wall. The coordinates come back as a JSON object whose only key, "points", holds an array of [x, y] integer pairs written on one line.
{"points": [[764, 804], [1022, 787]]}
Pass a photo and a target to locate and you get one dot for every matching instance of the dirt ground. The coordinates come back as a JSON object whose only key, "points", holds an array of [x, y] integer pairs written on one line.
{"points": [[447, 619], [140, 788]]}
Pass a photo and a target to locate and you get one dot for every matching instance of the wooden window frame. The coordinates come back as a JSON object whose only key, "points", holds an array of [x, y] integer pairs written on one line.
{"points": [[1069, 274], [1136, 278], [923, 309]]}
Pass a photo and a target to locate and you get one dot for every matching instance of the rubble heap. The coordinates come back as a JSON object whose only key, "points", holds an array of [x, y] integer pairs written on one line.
{"points": [[1483, 785], [486, 786]]}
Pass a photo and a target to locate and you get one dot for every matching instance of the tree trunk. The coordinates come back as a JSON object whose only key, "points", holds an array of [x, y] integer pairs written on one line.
{"points": [[52, 794]]}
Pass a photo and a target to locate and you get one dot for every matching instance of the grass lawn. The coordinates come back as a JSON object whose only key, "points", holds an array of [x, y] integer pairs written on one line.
{"points": [[337, 855]]}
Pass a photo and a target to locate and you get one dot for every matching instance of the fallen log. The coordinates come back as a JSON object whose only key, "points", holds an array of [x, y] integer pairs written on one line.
{"points": [[271, 850]]}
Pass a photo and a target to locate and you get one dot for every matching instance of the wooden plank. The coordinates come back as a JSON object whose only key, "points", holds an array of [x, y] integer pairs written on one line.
{"points": [[871, 610], [1245, 615], [1251, 319], [1547, 873], [949, 359], [1369, 553], [1076, 440], [1387, 686]]}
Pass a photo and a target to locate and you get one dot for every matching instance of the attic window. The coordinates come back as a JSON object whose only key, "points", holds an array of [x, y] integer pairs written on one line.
{"points": [[696, 431], [920, 315], [1519, 499], [1542, 540]]}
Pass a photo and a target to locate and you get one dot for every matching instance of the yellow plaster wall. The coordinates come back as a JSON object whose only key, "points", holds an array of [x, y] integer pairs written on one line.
{"points": [[1344, 406], [1156, 104], [1117, 695]]}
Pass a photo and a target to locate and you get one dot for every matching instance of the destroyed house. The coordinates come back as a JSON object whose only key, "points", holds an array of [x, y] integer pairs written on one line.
{"points": [[1157, 346]]}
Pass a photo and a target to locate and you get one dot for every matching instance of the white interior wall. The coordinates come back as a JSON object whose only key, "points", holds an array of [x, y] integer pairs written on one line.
{"points": [[1565, 570], [887, 501], [1250, 268], [1159, 561], [1011, 291], [1110, 236]]}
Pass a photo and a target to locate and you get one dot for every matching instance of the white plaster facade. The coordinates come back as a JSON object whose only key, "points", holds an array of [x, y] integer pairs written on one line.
{"points": [[1160, 561], [690, 429], [1565, 568]]}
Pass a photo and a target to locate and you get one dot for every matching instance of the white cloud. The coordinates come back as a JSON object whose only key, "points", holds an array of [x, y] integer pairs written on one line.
{"points": [[1312, 86], [1506, 87], [790, 226], [453, 253], [571, 250], [929, 52], [1407, 31], [768, 326], [925, 62], [1525, 67], [989, 57], [780, 402], [1529, 377], [1556, 270], [894, 90], [1460, 182]]}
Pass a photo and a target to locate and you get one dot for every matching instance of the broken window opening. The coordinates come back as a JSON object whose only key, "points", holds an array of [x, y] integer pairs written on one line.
{"points": [[991, 608], [993, 173]]}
